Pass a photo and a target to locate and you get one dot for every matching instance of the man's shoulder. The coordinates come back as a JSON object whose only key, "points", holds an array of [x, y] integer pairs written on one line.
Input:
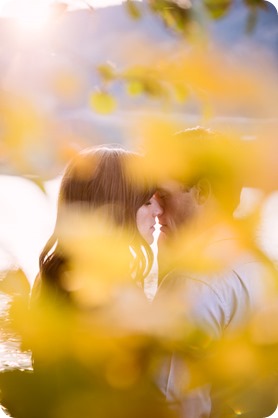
{"points": [[213, 280], [240, 288], [246, 273]]}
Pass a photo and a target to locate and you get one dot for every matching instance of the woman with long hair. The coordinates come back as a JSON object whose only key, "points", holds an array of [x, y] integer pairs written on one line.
{"points": [[101, 181], [86, 307]]}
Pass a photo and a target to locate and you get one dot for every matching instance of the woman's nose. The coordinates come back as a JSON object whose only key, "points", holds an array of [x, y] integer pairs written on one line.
{"points": [[157, 209]]}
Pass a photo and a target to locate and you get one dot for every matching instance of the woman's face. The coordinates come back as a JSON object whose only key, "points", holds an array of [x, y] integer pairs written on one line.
{"points": [[145, 219]]}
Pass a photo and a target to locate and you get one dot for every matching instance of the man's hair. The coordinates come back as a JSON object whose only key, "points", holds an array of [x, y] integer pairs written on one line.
{"points": [[211, 155]]}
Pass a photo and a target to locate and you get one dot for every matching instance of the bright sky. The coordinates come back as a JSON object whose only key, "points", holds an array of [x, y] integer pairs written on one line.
{"points": [[34, 14], [13, 5], [10, 6]]}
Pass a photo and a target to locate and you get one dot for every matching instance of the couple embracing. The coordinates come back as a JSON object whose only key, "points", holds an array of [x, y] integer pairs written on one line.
{"points": [[216, 294]]}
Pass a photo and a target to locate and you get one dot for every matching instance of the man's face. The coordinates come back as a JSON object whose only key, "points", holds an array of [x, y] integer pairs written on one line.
{"points": [[179, 206]]}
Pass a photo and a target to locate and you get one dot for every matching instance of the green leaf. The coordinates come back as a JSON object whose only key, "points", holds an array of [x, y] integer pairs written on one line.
{"points": [[102, 102], [153, 87], [132, 9], [106, 71], [217, 8]]}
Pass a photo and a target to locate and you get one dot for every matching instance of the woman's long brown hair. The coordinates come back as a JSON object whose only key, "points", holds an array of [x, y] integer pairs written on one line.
{"points": [[95, 178]]}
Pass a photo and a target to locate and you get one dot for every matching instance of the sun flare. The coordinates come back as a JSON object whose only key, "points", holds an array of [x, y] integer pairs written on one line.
{"points": [[33, 19]]}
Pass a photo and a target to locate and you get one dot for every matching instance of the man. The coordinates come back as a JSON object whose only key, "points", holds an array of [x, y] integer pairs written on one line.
{"points": [[215, 282]]}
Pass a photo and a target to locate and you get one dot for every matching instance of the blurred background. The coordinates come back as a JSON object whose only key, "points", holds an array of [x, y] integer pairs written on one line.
{"points": [[81, 73], [50, 56]]}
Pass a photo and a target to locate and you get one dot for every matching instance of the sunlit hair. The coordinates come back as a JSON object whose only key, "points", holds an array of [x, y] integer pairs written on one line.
{"points": [[100, 177]]}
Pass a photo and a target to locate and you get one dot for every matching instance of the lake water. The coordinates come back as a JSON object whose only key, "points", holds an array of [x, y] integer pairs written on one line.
{"points": [[10, 354]]}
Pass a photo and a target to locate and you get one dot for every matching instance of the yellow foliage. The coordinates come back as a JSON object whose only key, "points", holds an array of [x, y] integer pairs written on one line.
{"points": [[102, 102], [94, 272], [164, 155], [264, 328], [21, 126], [115, 339]]}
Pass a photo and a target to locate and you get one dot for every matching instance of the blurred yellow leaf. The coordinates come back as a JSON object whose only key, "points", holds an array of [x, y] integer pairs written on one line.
{"points": [[218, 8], [122, 370], [102, 102], [106, 71], [133, 9], [135, 88], [164, 153], [94, 274], [264, 330], [14, 283], [181, 92]]}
